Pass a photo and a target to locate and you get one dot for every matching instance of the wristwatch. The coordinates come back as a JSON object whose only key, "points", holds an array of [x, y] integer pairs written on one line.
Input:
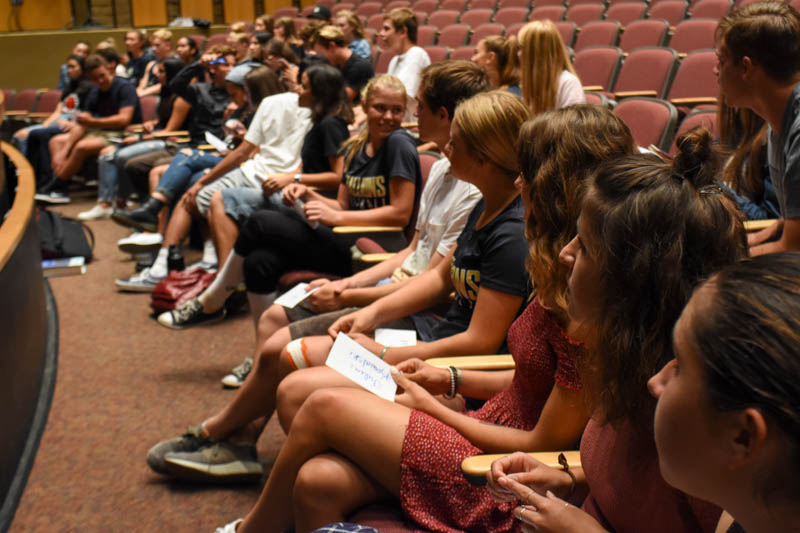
{"points": [[297, 177]]}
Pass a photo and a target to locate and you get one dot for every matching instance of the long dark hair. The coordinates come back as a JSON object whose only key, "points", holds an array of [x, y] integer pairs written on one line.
{"points": [[328, 94], [662, 229], [171, 66], [749, 341]]}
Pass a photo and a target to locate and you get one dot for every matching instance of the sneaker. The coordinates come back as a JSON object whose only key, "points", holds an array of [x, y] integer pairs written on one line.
{"points": [[191, 441], [144, 261], [54, 192], [207, 266], [141, 243], [144, 281], [189, 314], [229, 528], [98, 212], [221, 462], [143, 218], [239, 373]]}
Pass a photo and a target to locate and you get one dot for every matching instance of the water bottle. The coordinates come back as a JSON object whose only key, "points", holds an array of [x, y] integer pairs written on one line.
{"points": [[174, 258]]}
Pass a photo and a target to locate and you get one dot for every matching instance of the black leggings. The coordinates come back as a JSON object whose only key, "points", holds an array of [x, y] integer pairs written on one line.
{"points": [[273, 244]]}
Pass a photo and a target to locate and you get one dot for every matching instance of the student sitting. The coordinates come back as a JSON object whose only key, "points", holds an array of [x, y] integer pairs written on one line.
{"points": [[399, 34], [329, 42], [81, 49], [726, 422], [499, 57], [350, 25]]}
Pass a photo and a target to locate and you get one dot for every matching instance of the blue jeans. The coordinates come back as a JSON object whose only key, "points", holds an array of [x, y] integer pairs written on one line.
{"points": [[109, 166], [38, 152], [184, 171]]}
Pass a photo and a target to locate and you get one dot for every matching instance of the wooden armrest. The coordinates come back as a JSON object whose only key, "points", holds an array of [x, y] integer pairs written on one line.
{"points": [[407, 125], [206, 147], [682, 55], [474, 468], [39, 114], [16, 113], [164, 134], [135, 128], [183, 140], [758, 225], [694, 101], [592, 88], [628, 94], [366, 229], [375, 258], [474, 362]]}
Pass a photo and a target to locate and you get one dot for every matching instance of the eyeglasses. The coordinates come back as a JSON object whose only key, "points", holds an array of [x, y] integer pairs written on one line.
{"points": [[218, 61]]}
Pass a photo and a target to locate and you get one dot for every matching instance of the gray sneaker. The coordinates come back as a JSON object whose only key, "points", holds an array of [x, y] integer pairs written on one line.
{"points": [[236, 378], [190, 441], [144, 281], [220, 462]]}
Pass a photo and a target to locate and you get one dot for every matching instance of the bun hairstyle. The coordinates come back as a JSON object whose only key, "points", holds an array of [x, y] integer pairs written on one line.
{"points": [[557, 151], [505, 49], [748, 337], [664, 228]]}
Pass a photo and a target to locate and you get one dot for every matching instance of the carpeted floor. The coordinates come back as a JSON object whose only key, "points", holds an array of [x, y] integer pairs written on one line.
{"points": [[124, 383]]}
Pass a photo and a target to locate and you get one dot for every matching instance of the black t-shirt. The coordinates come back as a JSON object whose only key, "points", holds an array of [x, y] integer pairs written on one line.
{"points": [[136, 67], [492, 256], [357, 72], [367, 178], [121, 94], [80, 89], [323, 140]]}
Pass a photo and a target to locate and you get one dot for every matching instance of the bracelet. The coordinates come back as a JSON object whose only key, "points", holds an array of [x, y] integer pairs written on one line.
{"points": [[562, 460], [455, 382], [383, 352]]}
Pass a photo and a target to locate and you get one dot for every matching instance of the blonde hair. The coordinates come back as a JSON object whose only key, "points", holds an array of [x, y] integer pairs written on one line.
{"points": [[544, 58], [238, 37], [505, 49], [237, 27], [328, 34], [354, 21], [355, 144], [163, 34], [489, 124], [108, 42]]}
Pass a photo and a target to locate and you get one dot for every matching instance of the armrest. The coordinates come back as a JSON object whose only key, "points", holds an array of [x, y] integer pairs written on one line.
{"points": [[183, 140], [474, 362], [628, 94], [135, 128], [39, 114], [346, 230], [758, 225], [206, 147], [375, 258], [164, 134], [16, 113], [592, 88], [694, 101], [474, 468], [407, 125]]}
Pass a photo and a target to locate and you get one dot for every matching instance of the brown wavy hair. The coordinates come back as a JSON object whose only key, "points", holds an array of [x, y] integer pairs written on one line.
{"points": [[557, 150], [661, 229], [744, 135]]}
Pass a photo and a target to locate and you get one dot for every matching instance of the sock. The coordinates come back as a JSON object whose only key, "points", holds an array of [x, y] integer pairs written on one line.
{"points": [[159, 268], [229, 276], [209, 253], [258, 304]]}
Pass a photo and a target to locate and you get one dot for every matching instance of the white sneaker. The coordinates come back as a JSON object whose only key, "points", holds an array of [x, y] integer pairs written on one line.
{"points": [[144, 281], [229, 528], [141, 243], [98, 212]]}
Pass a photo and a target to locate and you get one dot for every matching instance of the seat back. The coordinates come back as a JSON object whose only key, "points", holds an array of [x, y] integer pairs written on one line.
{"points": [[706, 118], [483, 4], [568, 31], [639, 33], [712, 9], [453, 35], [514, 28], [693, 34], [443, 18], [437, 53], [375, 21], [554, 13], [344, 6], [485, 30], [463, 52], [509, 15], [199, 40], [382, 64], [598, 65], [285, 12], [673, 11], [426, 35], [25, 100], [457, 5], [695, 77], [514, 3], [594, 98], [48, 101], [148, 104], [368, 9], [217, 38], [647, 69], [581, 14], [598, 33], [651, 121], [426, 6], [626, 12], [476, 17]]}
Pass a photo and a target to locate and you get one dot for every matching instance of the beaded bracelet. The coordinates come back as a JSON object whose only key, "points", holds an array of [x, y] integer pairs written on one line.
{"points": [[455, 382], [562, 460]]}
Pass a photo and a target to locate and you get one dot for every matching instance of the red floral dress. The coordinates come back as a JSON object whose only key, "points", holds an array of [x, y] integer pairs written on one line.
{"points": [[433, 492]]}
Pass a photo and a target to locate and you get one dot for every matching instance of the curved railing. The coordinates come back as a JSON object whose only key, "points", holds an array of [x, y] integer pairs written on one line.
{"points": [[29, 333]]}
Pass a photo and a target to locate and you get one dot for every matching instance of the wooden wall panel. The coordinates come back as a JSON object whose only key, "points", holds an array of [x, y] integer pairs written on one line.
{"points": [[149, 12], [43, 15], [236, 10], [271, 5], [198, 9]]}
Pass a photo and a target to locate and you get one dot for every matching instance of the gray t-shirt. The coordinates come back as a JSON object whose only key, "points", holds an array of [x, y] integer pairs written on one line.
{"points": [[783, 155]]}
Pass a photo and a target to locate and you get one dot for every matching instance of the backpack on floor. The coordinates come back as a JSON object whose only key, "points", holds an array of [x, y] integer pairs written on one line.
{"points": [[179, 287], [61, 236]]}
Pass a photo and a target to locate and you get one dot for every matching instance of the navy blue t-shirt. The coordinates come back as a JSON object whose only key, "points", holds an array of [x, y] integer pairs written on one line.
{"points": [[323, 141], [107, 103]]}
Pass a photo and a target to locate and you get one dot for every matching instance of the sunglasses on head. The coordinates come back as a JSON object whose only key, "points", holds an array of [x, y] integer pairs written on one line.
{"points": [[218, 61]]}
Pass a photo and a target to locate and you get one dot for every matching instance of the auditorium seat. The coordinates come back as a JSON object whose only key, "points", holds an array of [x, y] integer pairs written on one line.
{"points": [[453, 35], [598, 33], [48, 101], [368, 9], [382, 63], [285, 12], [568, 31], [483, 4], [456, 5], [437, 53], [626, 12], [199, 40], [646, 69], [546, 12], [485, 30], [395, 4], [443, 18], [651, 121], [217, 38], [426, 6], [693, 34], [598, 66], [673, 11], [514, 28], [596, 98], [344, 6], [581, 14], [515, 3], [698, 117], [639, 33], [148, 105], [426, 35], [713, 9], [695, 81], [509, 15], [463, 52], [476, 17]]}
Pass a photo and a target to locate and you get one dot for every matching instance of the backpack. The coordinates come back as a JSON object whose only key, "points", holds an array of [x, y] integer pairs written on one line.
{"points": [[61, 236]]}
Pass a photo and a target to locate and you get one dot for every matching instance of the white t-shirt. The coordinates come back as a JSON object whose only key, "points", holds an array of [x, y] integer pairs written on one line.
{"points": [[444, 207], [570, 90], [408, 67], [278, 129]]}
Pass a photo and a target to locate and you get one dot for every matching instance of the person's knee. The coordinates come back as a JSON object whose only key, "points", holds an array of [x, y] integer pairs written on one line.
{"points": [[293, 390], [186, 151], [318, 485], [272, 320], [22, 134], [320, 407], [216, 204]]}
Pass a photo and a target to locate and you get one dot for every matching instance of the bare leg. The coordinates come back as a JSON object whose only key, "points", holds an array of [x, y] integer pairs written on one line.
{"points": [[86, 147], [153, 178], [295, 389], [180, 222], [223, 229], [271, 320], [329, 488], [367, 430], [60, 146]]}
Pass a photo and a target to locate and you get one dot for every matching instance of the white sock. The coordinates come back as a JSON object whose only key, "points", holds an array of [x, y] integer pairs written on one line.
{"points": [[228, 277], [209, 253], [159, 268], [258, 304]]}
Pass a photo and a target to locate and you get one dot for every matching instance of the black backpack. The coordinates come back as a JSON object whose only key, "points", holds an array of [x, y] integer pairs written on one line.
{"points": [[62, 236]]}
